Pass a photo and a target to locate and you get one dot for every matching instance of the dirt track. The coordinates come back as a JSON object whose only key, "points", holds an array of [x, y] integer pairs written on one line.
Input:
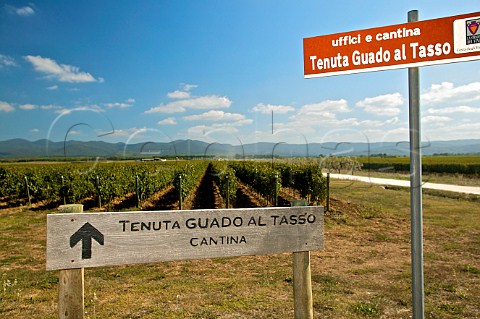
{"points": [[403, 183]]}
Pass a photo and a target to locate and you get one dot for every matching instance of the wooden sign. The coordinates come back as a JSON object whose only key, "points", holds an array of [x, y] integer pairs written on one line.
{"points": [[428, 42], [100, 239]]}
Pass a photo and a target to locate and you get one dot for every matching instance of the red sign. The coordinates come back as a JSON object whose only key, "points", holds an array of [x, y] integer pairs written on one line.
{"points": [[428, 42]]}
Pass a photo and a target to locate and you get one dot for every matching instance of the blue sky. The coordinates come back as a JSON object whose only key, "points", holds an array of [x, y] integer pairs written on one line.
{"points": [[136, 71]]}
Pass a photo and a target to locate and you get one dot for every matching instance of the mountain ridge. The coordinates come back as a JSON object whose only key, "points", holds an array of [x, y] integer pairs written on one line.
{"points": [[20, 148]]}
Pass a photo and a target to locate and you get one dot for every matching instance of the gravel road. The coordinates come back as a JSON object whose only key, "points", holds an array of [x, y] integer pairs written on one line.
{"points": [[403, 183]]}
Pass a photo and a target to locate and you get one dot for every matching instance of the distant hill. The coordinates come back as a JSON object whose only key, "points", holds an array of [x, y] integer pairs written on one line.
{"points": [[20, 148]]}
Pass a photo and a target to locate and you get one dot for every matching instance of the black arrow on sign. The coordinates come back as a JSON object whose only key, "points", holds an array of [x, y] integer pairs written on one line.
{"points": [[85, 234]]}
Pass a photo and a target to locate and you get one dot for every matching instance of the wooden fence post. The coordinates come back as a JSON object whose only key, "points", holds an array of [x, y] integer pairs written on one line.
{"points": [[328, 193], [302, 280], [137, 191], [228, 191], [71, 282], [99, 194], [28, 190], [180, 199], [63, 191]]}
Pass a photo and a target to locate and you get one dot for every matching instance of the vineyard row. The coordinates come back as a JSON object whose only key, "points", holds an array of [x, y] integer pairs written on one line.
{"points": [[468, 165], [107, 181]]}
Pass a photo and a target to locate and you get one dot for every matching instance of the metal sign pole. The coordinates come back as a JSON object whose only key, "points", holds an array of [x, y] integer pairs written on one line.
{"points": [[329, 55], [415, 187]]}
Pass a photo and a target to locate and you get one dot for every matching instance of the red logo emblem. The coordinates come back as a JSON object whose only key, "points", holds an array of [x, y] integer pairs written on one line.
{"points": [[473, 27]]}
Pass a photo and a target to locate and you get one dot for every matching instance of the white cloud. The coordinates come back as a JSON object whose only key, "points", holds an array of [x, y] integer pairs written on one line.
{"points": [[215, 115], [122, 105], [168, 121], [447, 131], [168, 108], [6, 107], [437, 120], [184, 93], [454, 110], [34, 130], [198, 103], [373, 123], [388, 104], [184, 101], [228, 128], [202, 131], [65, 111], [50, 107], [6, 61], [25, 11], [394, 135], [268, 108], [28, 107], [52, 88], [312, 118], [61, 72], [328, 106], [447, 92], [311, 125], [188, 87], [242, 122], [316, 113], [178, 95], [206, 102]]}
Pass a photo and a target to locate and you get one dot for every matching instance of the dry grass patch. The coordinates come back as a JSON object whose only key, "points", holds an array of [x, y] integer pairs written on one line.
{"points": [[363, 272]]}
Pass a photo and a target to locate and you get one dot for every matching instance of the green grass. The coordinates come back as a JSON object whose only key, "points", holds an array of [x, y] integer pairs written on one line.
{"points": [[366, 309]]}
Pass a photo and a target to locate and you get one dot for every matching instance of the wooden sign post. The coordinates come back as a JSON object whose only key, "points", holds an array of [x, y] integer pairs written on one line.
{"points": [[107, 239], [79, 240], [71, 282], [302, 280]]}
